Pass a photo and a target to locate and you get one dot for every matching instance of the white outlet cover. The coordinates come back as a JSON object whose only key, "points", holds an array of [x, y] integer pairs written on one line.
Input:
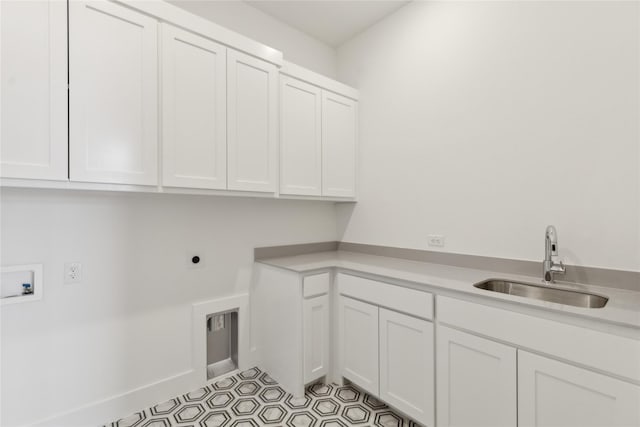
{"points": [[72, 272], [436, 240]]}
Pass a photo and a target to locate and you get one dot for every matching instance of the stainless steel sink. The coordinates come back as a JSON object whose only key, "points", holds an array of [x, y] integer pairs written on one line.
{"points": [[544, 293]]}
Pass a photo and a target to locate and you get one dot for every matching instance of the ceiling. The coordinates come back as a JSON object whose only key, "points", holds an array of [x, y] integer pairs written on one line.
{"points": [[330, 21]]}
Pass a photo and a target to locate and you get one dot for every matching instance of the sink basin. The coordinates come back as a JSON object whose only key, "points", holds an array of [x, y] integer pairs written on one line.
{"points": [[544, 293]]}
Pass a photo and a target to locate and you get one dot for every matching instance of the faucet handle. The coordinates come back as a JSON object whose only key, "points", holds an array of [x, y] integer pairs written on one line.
{"points": [[557, 266]]}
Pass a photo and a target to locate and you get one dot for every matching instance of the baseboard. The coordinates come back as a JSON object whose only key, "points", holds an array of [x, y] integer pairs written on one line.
{"points": [[114, 407], [120, 405]]}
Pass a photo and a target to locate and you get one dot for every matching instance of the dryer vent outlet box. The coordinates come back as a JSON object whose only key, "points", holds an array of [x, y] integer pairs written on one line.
{"points": [[222, 343]]}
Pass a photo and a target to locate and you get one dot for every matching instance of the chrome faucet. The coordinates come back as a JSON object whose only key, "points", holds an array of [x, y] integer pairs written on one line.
{"points": [[551, 265]]}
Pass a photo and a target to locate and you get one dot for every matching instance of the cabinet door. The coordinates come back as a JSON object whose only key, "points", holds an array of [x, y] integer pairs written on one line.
{"points": [[252, 89], [194, 97], [476, 381], [300, 138], [33, 88], [113, 94], [406, 365], [339, 138], [316, 337], [358, 342], [552, 393]]}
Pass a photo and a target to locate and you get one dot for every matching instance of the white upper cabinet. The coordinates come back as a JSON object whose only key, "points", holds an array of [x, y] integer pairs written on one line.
{"points": [[113, 98], [300, 137], [552, 393], [194, 96], [252, 106], [99, 92], [33, 89], [318, 135], [339, 141]]}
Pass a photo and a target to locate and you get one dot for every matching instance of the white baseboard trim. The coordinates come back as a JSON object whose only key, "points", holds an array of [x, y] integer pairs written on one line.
{"points": [[109, 409], [123, 404]]}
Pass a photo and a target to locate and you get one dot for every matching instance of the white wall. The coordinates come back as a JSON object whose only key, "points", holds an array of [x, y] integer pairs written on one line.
{"points": [[128, 324], [238, 16], [482, 121], [486, 121]]}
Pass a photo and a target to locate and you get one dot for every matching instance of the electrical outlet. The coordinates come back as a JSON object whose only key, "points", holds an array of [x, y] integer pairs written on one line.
{"points": [[72, 272], [435, 240]]}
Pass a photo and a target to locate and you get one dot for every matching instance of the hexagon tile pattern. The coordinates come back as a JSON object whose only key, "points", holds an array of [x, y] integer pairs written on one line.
{"points": [[253, 399]]}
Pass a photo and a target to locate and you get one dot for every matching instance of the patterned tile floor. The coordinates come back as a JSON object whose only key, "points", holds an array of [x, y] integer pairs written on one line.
{"points": [[251, 398]]}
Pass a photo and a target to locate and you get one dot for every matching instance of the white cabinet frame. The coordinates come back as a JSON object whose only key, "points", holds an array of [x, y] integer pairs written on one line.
{"points": [[251, 103], [194, 130], [339, 145], [462, 360], [406, 364], [358, 343], [300, 138], [315, 314], [127, 151], [26, 152], [552, 393]]}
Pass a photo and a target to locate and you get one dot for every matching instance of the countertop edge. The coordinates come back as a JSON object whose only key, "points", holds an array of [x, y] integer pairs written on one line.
{"points": [[339, 261]]}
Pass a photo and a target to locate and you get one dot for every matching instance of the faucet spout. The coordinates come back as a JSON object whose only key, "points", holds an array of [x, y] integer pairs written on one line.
{"points": [[551, 265]]}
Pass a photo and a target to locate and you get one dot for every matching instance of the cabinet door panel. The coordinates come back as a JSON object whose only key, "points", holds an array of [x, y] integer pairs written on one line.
{"points": [[113, 99], [358, 341], [194, 97], [476, 381], [300, 138], [552, 393], [252, 125], [339, 137], [33, 89], [406, 365], [316, 337]]}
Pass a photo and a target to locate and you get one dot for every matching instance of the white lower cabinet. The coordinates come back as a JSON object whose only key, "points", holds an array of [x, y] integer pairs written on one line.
{"points": [[316, 337], [406, 364], [358, 343], [387, 353], [552, 393], [384, 345], [476, 380], [481, 382]]}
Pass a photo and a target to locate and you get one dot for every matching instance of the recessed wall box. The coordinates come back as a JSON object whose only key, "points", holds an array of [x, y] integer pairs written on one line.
{"points": [[222, 343], [21, 283]]}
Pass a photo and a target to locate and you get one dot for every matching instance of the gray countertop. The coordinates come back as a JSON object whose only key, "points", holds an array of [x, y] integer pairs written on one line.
{"points": [[623, 307]]}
